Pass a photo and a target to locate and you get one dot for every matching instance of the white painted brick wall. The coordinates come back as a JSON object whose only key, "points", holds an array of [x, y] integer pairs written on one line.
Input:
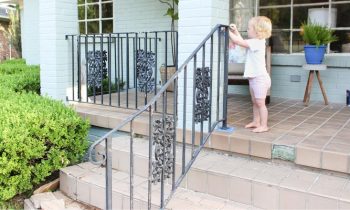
{"points": [[57, 18], [30, 31], [335, 80], [140, 16], [197, 18]]}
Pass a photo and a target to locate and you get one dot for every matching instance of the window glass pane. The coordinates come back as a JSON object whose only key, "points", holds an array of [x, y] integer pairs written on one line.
{"points": [[107, 26], [241, 17], [298, 43], [308, 1], [93, 11], [92, 1], [81, 1], [280, 17], [82, 27], [343, 43], [81, 12], [315, 14], [107, 10], [93, 27], [274, 2], [342, 13], [242, 4], [279, 42]]}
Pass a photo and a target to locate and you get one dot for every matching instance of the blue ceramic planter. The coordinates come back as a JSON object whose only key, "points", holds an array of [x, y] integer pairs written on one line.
{"points": [[314, 54]]}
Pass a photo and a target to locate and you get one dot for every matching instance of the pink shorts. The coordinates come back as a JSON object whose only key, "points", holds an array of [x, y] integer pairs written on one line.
{"points": [[260, 85]]}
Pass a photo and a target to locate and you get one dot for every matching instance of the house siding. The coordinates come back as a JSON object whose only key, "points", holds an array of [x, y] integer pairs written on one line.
{"points": [[140, 16], [30, 31], [57, 19], [336, 79], [196, 20]]}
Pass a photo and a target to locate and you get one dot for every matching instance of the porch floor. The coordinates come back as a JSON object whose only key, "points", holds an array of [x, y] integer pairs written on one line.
{"points": [[316, 135]]}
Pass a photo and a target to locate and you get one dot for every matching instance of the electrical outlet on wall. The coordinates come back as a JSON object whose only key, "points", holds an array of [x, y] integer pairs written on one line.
{"points": [[295, 78]]}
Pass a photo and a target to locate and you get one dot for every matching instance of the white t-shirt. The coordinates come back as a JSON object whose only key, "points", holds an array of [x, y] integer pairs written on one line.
{"points": [[255, 62]]}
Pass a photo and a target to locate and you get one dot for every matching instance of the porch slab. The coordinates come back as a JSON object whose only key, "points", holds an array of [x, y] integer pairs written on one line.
{"points": [[315, 135]]}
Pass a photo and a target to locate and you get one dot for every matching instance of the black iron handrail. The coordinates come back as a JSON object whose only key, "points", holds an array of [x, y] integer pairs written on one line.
{"points": [[201, 86]]}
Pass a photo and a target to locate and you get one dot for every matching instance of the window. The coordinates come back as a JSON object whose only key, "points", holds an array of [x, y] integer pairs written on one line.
{"points": [[287, 17], [95, 16]]}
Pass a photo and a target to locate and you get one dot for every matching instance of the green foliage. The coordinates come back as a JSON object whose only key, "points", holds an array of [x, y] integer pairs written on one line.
{"points": [[315, 34], [17, 76], [171, 10], [38, 135], [105, 87]]}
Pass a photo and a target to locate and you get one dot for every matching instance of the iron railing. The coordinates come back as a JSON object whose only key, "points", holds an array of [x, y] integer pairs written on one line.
{"points": [[204, 74], [120, 69]]}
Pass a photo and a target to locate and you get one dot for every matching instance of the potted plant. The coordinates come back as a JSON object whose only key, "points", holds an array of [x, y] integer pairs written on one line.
{"points": [[167, 72], [316, 37]]}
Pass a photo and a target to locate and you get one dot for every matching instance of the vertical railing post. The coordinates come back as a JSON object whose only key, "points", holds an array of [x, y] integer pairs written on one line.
{"points": [[131, 165], [79, 68], [108, 173], [73, 82], [224, 111]]}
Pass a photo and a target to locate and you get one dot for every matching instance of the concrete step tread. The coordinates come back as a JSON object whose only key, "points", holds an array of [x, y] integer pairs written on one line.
{"points": [[232, 169], [87, 173]]}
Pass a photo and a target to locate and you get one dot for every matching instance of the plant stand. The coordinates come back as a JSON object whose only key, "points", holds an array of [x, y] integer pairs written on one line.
{"points": [[312, 70]]}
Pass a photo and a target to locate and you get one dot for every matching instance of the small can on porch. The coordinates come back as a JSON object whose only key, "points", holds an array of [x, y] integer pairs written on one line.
{"points": [[170, 71]]}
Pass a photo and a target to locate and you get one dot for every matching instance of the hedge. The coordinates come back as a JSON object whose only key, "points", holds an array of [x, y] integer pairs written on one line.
{"points": [[38, 135]]}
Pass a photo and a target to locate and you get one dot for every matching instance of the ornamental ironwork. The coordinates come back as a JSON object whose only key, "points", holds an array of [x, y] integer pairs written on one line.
{"points": [[162, 153], [145, 62], [97, 67], [202, 102]]}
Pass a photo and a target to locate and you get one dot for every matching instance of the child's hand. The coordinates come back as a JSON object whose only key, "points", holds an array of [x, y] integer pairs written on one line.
{"points": [[233, 28]]}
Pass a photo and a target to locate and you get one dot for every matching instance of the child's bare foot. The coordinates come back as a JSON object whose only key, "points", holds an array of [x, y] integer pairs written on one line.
{"points": [[252, 125], [260, 129]]}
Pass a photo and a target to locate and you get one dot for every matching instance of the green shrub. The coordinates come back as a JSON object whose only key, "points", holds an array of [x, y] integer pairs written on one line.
{"points": [[37, 137], [17, 76], [105, 87], [28, 81], [14, 61]]}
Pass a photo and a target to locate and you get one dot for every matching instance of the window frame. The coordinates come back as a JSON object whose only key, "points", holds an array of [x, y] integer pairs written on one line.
{"points": [[328, 4], [100, 19]]}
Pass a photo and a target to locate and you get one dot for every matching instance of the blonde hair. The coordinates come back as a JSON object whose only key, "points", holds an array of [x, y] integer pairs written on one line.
{"points": [[262, 26]]}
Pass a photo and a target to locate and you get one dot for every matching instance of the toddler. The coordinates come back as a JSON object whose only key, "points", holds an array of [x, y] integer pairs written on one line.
{"points": [[259, 29]]}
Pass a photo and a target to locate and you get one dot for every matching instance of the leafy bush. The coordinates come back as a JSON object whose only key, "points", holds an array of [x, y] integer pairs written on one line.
{"points": [[315, 34], [28, 81], [105, 87], [37, 135]]}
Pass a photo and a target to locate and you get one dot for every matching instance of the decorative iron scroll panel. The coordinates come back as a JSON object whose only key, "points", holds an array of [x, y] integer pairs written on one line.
{"points": [[145, 62], [97, 68], [202, 103], [162, 152]]}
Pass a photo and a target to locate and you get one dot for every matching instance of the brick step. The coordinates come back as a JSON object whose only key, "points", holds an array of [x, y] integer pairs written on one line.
{"points": [[261, 183], [86, 183]]}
